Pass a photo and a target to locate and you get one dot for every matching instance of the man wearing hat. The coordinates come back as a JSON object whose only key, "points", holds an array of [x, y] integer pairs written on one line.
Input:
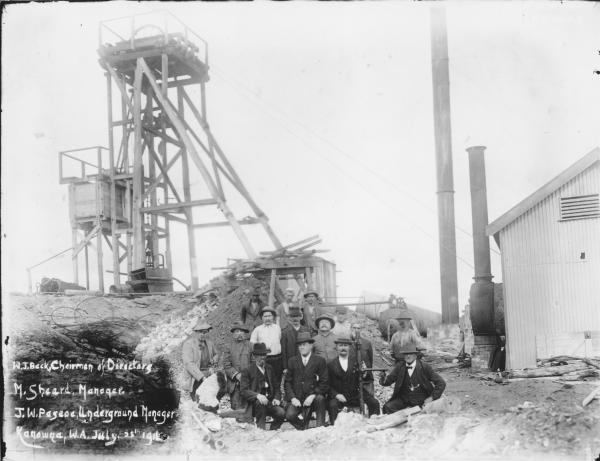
{"points": [[251, 312], [366, 355], [261, 390], [199, 354], [344, 382], [270, 334], [325, 339], [306, 385], [404, 334], [289, 335], [416, 383], [236, 358], [311, 310], [283, 310], [342, 324]]}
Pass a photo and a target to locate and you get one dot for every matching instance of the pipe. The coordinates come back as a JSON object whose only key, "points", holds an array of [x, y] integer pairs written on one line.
{"points": [[481, 242]]}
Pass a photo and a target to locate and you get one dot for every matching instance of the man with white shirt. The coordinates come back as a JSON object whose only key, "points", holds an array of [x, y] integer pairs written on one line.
{"points": [[416, 383], [260, 391], [269, 333], [306, 385], [344, 383]]}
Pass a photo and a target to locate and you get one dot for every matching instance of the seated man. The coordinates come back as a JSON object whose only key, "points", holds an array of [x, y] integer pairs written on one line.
{"points": [[344, 382], [259, 389], [306, 385], [416, 384]]}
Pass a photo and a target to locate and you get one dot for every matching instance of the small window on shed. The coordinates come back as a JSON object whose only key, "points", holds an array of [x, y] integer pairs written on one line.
{"points": [[580, 207]]}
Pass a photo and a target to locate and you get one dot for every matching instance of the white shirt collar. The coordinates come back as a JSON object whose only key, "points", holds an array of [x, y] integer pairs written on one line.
{"points": [[306, 359]]}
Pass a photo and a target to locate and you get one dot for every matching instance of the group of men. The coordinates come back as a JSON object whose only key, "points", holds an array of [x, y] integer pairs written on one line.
{"points": [[320, 367]]}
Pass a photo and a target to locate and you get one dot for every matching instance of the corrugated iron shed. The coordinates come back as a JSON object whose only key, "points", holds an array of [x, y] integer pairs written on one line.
{"points": [[550, 246]]}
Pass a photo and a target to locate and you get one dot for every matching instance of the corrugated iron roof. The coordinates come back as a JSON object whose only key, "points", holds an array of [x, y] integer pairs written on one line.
{"points": [[582, 164]]}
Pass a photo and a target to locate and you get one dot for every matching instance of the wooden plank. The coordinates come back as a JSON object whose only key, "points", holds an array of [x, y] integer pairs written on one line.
{"points": [[138, 238], [225, 223], [174, 207]]}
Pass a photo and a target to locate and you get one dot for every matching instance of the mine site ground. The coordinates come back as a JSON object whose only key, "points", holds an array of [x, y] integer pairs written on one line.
{"points": [[525, 418]]}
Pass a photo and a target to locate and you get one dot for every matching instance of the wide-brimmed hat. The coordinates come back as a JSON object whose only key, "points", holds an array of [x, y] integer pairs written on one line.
{"points": [[311, 292], [201, 324], [239, 326], [304, 337], [268, 309], [260, 349], [410, 348], [404, 314], [341, 309], [290, 290], [325, 316], [343, 340], [295, 311]]}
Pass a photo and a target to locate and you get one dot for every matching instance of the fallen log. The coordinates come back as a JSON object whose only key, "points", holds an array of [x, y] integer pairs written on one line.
{"points": [[393, 420], [548, 371], [577, 375], [564, 358], [591, 396]]}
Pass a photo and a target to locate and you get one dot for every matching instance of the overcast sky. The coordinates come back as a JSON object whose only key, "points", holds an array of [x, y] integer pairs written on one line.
{"points": [[325, 110]]}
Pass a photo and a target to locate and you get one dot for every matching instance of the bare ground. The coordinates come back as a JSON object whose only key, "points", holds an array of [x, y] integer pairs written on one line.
{"points": [[519, 419]]}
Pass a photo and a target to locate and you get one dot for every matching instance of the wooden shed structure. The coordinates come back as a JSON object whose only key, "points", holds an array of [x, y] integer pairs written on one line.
{"points": [[550, 244]]}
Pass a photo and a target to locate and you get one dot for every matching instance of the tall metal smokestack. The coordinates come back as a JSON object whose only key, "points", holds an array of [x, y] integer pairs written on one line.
{"points": [[443, 150], [479, 212], [481, 295]]}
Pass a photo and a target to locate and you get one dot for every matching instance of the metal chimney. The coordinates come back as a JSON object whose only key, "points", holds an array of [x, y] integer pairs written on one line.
{"points": [[481, 242], [481, 295], [443, 160]]}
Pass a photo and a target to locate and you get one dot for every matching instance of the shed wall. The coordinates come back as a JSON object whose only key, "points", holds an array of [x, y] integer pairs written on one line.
{"points": [[548, 287]]}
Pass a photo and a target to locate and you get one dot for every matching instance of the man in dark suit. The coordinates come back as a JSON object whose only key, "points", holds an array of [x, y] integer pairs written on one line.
{"points": [[289, 334], [416, 383], [366, 355], [306, 385], [344, 382], [260, 390], [234, 359]]}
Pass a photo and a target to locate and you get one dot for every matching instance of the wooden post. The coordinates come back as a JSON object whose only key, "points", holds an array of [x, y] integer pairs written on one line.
{"points": [[87, 268], [152, 174], [188, 211], [100, 260], [75, 259], [125, 145], [162, 147], [113, 186], [138, 235], [272, 287], [29, 284]]}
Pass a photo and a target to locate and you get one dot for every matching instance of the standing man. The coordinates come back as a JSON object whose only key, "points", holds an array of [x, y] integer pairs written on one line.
{"points": [[311, 310], [269, 333], [306, 385], [199, 355], [416, 383], [251, 312], [404, 335], [259, 389], [283, 310], [366, 355], [325, 339], [289, 335], [342, 324], [235, 359], [344, 382]]}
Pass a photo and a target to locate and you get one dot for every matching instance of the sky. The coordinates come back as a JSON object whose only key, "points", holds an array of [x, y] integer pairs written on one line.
{"points": [[326, 112]]}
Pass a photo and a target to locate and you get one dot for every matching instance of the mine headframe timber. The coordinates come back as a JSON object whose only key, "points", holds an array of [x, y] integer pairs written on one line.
{"points": [[131, 189]]}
